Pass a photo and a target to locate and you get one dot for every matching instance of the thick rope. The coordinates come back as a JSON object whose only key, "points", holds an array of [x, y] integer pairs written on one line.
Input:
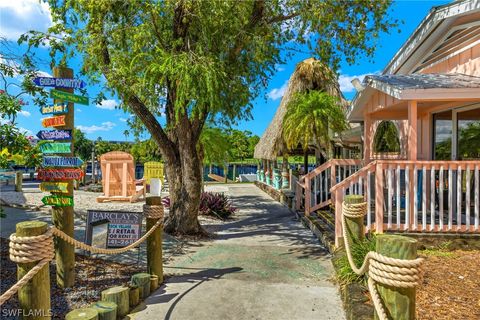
{"points": [[381, 269], [80, 245], [153, 211], [26, 250], [41, 249]]}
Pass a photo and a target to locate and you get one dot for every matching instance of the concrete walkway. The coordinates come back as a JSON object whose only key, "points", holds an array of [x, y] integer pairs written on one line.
{"points": [[262, 265]]}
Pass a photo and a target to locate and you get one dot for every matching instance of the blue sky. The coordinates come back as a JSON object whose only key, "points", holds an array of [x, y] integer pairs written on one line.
{"points": [[19, 16]]}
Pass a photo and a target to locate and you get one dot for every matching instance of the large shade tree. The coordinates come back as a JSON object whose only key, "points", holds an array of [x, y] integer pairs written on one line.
{"points": [[194, 61]]}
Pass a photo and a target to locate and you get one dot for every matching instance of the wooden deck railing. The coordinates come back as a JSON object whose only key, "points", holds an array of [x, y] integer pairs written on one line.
{"points": [[313, 189], [415, 196]]}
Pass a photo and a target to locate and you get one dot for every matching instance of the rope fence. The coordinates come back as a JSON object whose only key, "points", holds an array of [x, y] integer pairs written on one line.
{"points": [[41, 249], [380, 269]]}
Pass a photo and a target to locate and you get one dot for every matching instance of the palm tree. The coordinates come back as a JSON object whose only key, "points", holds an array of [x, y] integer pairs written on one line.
{"points": [[311, 119]]}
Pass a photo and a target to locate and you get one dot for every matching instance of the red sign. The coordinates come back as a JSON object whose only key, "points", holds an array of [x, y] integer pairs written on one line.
{"points": [[54, 121], [60, 174]]}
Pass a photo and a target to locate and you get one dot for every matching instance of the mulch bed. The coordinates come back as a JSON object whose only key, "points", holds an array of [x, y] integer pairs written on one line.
{"points": [[451, 286], [92, 276]]}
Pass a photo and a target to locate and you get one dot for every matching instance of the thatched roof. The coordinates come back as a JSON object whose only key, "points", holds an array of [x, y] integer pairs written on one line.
{"points": [[309, 74]]}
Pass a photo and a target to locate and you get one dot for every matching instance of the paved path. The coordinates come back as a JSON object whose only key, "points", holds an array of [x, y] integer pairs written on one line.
{"points": [[262, 265]]}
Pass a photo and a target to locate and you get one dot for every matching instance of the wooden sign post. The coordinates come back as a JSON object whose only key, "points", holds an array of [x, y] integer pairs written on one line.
{"points": [[62, 217]]}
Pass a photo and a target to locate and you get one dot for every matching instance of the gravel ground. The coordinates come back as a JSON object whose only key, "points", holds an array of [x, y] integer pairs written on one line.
{"points": [[451, 286], [92, 276]]}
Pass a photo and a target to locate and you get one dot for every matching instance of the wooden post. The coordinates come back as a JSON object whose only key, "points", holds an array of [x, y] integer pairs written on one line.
{"points": [[338, 217], [153, 282], [134, 296], [308, 195], [18, 181], [399, 302], [35, 295], [379, 199], [82, 314], [119, 295], [154, 243], [62, 217], [354, 226], [412, 130], [142, 280], [107, 310]]}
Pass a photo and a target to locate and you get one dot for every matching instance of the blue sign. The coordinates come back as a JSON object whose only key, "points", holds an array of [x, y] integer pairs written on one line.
{"points": [[60, 82], [63, 162], [54, 134], [55, 109]]}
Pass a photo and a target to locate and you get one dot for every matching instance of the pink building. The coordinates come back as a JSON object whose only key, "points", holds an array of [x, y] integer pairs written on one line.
{"points": [[428, 98]]}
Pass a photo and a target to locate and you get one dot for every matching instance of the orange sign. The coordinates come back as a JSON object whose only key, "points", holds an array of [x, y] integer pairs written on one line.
{"points": [[56, 121]]}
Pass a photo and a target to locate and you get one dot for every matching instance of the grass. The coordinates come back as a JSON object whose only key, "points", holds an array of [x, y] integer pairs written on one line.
{"points": [[345, 274], [443, 250]]}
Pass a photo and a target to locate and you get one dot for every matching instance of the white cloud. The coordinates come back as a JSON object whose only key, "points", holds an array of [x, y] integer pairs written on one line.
{"points": [[105, 126], [277, 93], [43, 74], [20, 16], [345, 81], [123, 119], [26, 132], [24, 113], [109, 104], [78, 109]]}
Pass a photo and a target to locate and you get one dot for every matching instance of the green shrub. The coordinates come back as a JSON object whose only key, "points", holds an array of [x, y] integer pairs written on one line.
{"points": [[359, 250]]}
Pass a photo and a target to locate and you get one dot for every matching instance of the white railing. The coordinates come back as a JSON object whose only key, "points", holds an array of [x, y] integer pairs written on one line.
{"points": [[314, 187], [416, 196]]}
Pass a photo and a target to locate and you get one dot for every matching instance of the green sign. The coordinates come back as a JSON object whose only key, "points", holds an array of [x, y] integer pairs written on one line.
{"points": [[65, 96], [58, 201], [59, 147]]}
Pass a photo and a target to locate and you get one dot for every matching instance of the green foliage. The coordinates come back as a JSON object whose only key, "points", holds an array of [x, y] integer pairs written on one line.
{"points": [[359, 250], [219, 146], [386, 138], [82, 146], [469, 141], [443, 250], [198, 61], [214, 146], [144, 151], [311, 118], [206, 57]]}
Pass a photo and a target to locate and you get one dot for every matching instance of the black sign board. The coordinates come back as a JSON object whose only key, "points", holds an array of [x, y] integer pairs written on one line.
{"points": [[112, 229]]}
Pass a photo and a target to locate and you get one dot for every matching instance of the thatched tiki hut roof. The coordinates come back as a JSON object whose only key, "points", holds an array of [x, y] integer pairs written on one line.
{"points": [[309, 74]]}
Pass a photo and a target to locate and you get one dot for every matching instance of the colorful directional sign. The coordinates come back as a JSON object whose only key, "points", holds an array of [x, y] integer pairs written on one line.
{"points": [[59, 82], [56, 121], [64, 162], [58, 201], [54, 135], [54, 109], [59, 174], [59, 147], [61, 187], [65, 96]]}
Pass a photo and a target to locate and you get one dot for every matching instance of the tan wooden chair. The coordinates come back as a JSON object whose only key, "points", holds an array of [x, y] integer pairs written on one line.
{"points": [[118, 178]]}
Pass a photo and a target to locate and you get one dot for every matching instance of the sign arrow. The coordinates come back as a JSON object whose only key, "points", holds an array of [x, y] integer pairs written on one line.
{"points": [[65, 96], [54, 135], [59, 82], [62, 162]]}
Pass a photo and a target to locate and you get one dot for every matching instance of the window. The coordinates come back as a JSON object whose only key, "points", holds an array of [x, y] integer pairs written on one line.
{"points": [[386, 138]]}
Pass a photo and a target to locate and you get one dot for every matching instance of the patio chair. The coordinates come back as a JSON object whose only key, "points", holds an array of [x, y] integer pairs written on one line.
{"points": [[118, 178], [153, 170]]}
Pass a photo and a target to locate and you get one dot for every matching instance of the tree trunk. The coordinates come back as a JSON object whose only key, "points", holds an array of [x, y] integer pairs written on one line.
{"points": [[185, 185], [305, 161]]}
